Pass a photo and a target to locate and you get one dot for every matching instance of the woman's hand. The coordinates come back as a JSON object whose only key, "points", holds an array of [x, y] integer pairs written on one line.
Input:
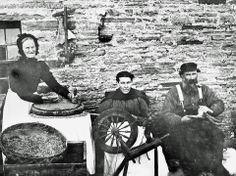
{"points": [[48, 100], [50, 97], [73, 97]]}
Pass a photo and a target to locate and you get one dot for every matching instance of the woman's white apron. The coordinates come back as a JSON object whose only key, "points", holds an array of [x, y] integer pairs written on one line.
{"points": [[15, 110]]}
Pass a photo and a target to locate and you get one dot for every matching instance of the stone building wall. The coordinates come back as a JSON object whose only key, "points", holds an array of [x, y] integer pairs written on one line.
{"points": [[151, 38]]}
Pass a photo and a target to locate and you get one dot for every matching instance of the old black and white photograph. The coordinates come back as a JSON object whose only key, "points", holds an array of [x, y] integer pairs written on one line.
{"points": [[118, 87]]}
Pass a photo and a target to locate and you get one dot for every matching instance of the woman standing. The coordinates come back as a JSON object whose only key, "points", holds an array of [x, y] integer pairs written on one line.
{"points": [[24, 77]]}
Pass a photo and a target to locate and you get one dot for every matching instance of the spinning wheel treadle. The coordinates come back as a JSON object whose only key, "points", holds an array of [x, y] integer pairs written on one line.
{"points": [[113, 125]]}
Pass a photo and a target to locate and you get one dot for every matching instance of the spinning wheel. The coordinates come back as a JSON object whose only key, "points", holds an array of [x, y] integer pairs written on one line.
{"points": [[116, 131], [114, 127]]}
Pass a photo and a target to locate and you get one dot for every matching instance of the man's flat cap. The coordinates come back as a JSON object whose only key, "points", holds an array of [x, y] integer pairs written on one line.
{"points": [[187, 67]]}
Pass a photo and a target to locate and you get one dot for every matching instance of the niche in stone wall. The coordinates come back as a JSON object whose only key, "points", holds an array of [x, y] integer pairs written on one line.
{"points": [[211, 1]]}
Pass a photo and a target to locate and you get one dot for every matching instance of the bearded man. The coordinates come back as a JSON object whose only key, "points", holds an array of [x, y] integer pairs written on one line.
{"points": [[189, 114]]}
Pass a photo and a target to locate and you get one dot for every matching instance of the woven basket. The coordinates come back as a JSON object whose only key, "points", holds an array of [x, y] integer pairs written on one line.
{"points": [[28, 143]]}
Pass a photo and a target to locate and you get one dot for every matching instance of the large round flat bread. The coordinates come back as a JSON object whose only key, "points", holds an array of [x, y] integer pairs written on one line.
{"points": [[63, 104], [58, 107]]}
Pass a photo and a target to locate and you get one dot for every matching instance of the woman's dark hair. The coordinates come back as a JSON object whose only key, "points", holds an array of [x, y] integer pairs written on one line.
{"points": [[124, 74], [20, 41]]}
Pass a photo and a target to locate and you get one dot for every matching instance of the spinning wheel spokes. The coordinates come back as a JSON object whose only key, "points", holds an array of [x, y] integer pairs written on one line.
{"points": [[107, 138], [112, 140], [114, 132], [121, 123], [113, 124]]}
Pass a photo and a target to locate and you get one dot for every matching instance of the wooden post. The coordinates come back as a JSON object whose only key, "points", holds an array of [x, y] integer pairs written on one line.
{"points": [[66, 34], [155, 162]]}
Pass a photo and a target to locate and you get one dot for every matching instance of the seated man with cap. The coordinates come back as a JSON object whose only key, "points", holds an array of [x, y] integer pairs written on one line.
{"points": [[189, 114]]}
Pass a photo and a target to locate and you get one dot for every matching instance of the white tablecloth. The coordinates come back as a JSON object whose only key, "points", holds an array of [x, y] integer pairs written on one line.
{"points": [[75, 128], [229, 159]]}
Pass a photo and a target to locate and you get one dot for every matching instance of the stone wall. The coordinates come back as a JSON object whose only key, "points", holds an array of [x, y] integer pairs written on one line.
{"points": [[151, 39]]}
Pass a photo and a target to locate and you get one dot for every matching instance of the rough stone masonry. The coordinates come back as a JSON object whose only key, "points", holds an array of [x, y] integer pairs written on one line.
{"points": [[151, 38]]}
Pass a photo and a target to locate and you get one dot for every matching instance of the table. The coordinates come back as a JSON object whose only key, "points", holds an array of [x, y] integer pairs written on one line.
{"points": [[75, 128]]}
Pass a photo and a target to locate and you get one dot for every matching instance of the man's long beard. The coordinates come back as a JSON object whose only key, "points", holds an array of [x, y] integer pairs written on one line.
{"points": [[191, 85], [192, 81]]}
